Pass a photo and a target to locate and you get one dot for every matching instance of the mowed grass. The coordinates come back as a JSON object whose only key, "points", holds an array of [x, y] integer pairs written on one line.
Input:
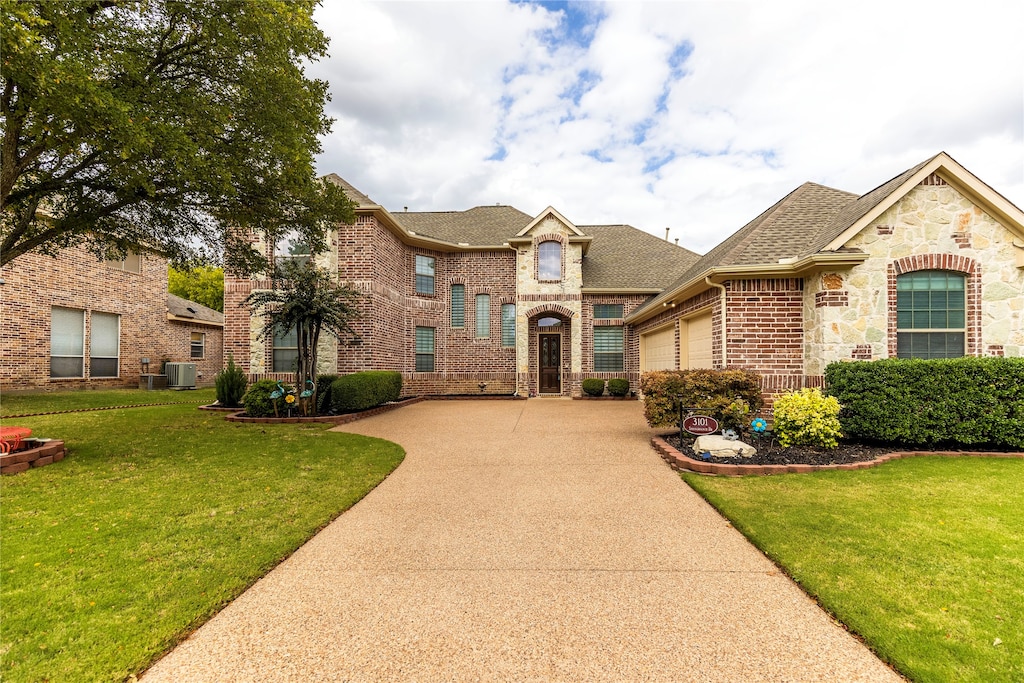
{"points": [[923, 558], [156, 519], [26, 404]]}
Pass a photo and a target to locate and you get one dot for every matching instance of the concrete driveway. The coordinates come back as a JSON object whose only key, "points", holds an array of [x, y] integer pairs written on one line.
{"points": [[538, 540]]}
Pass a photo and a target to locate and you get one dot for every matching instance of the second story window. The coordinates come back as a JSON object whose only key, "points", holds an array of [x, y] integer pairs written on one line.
{"points": [[549, 261], [458, 306], [424, 274], [291, 247]]}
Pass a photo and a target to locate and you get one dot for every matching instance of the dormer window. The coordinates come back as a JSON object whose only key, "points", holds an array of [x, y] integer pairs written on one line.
{"points": [[549, 261]]}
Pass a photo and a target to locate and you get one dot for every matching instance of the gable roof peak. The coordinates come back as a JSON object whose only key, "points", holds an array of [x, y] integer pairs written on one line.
{"points": [[550, 212]]}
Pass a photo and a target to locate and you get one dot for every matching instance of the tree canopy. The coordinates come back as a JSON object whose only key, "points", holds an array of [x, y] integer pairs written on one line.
{"points": [[165, 126], [203, 284]]}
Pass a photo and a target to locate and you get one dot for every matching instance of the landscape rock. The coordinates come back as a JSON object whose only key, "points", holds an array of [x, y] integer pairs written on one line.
{"points": [[720, 447]]}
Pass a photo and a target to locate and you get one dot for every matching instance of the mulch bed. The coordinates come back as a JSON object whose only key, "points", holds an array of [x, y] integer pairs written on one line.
{"points": [[773, 454]]}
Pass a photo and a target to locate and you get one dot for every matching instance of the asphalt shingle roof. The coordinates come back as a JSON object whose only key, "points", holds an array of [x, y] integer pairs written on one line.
{"points": [[183, 308], [479, 226], [622, 256]]}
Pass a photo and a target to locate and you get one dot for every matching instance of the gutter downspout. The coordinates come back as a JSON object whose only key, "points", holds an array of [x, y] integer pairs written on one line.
{"points": [[725, 357]]}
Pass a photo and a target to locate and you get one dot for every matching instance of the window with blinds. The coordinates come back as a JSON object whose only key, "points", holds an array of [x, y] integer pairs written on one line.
{"points": [[424, 349], [608, 348], [104, 344], [605, 311], [508, 324], [286, 350], [931, 314], [424, 274], [483, 315], [67, 342], [458, 306]]}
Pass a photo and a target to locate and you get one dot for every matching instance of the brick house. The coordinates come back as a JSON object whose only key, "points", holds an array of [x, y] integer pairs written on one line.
{"points": [[494, 301], [72, 321]]}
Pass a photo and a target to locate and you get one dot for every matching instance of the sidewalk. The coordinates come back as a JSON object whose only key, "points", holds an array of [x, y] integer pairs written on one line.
{"points": [[536, 540]]}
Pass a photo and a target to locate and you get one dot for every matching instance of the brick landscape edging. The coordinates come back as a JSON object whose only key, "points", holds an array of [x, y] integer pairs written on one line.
{"points": [[682, 462], [330, 419], [40, 456]]}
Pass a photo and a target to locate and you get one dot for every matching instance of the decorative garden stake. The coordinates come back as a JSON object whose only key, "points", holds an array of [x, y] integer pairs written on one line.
{"points": [[290, 400], [275, 395]]}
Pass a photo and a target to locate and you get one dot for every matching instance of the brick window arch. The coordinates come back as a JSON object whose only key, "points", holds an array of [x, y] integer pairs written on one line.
{"points": [[964, 266]]}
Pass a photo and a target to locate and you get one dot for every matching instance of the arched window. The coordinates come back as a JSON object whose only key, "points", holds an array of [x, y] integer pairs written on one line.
{"points": [[931, 320], [549, 261]]}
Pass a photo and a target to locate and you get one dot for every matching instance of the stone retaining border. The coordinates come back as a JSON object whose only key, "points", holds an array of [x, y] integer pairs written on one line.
{"points": [[40, 456], [682, 462]]}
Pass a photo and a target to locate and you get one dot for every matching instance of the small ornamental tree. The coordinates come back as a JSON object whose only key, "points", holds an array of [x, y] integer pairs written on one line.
{"points": [[308, 300]]}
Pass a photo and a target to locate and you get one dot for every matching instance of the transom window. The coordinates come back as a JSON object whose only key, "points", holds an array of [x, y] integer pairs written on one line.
{"points": [[424, 349], [930, 314], [608, 346], [549, 322], [603, 311], [286, 350], [549, 261], [424, 274]]}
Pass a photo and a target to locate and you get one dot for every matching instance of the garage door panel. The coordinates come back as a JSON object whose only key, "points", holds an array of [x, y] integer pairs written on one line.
{"points": [[698, 343], [659, 350]]}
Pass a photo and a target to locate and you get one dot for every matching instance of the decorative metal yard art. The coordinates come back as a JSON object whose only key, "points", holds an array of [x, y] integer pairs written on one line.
{"points": [[276, 394], [306, 395], [760, 431]]}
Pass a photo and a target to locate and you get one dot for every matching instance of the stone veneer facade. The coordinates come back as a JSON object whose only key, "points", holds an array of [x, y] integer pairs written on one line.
{"points": [[852, 314], [34, 284]]}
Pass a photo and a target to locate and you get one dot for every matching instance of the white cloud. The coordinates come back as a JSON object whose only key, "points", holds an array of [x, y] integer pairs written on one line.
{"points": [[443, 105]]}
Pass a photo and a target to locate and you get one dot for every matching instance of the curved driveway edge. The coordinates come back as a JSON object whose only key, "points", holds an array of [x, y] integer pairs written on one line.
{"points": [[539, 540]]}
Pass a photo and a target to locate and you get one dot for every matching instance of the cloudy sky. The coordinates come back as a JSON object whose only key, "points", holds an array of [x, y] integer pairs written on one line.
{"points": [[691, 115]]}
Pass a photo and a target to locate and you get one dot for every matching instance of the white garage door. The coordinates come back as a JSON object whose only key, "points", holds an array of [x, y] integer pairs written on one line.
{"points": [[659, 349], [697, 353]]}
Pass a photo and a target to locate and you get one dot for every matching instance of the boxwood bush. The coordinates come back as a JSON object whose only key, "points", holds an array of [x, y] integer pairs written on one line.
{"points": [[362, 390], [593, 386], [957, 401], [257, 399], [618, 386], [807, 418], [729, 396]]}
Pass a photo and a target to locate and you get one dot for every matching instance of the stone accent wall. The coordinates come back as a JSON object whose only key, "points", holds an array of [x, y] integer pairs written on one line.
{"points": [[76, 279], [933, 226]]}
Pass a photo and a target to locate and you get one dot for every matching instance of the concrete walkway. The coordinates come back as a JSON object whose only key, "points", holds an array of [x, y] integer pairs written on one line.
{"points": [[538, 540]]}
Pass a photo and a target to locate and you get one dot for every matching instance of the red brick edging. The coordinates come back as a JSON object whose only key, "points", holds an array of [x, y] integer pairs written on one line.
{"points": [[330, 419], [681, 462], [40, 456]]}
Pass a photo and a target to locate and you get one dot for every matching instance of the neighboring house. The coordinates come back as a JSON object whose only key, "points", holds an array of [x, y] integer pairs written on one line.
{"points": [[492, 300], [72, 321]]}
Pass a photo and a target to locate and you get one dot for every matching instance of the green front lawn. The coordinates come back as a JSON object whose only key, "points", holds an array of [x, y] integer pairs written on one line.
{"points": [[157, 518], [923, 558], [25, 404]]}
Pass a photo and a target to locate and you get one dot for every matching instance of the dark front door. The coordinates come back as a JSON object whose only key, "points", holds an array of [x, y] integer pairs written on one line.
{"points": [[550, 363]]}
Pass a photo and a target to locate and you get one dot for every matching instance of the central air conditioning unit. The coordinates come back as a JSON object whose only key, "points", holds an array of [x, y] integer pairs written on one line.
{"points": [[181, 375]]}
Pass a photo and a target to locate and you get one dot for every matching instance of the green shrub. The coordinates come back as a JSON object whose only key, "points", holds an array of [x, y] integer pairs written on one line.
{"points": [[324, 384], [618, 386], [807, 418], [362, 390], [729, 396], [956, 401], [230, 384], [257, 400], [593, 386]]}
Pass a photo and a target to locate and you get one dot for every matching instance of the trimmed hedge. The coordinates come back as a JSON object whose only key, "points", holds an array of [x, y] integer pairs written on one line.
{"points": [[618, 386], [362, 390], [257, 399], [729, 396], [958, 401], [593, 386]]}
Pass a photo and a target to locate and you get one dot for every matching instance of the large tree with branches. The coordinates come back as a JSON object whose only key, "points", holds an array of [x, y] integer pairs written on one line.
{"points": [[166, 126]]}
